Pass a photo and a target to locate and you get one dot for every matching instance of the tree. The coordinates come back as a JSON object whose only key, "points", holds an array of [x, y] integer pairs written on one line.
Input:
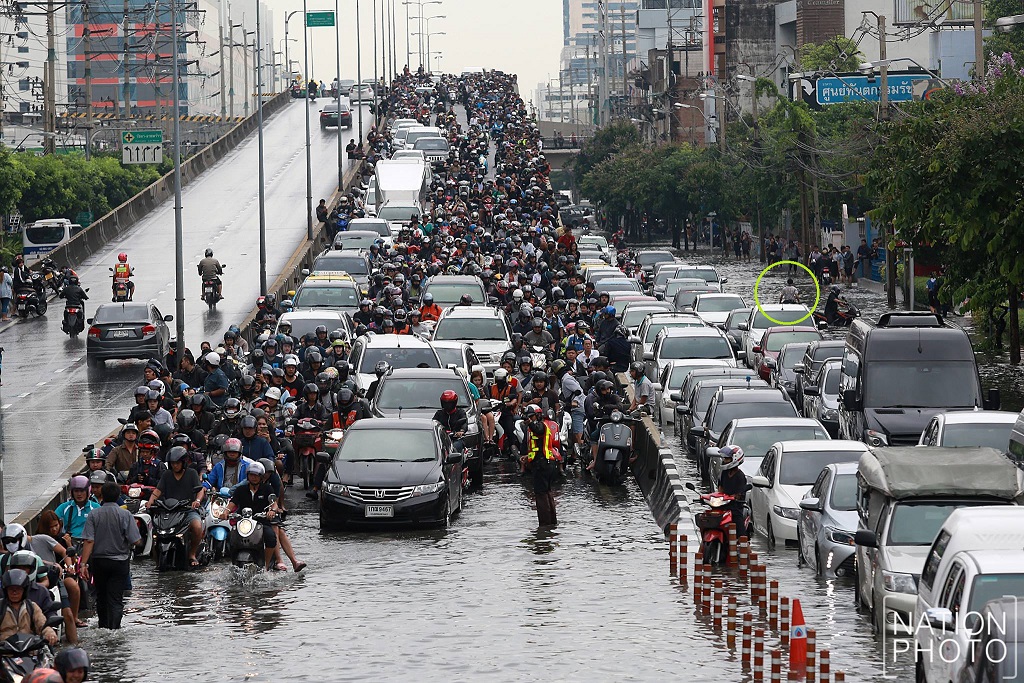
{"points": [[1011, 41], [606, 142], [14, 180], [839, 54]]}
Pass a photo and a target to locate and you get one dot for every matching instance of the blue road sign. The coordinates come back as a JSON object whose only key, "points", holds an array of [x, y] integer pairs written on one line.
{"points": [[862, 89]]}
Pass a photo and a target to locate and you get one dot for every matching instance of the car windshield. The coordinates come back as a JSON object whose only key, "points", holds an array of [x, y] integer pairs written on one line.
{"points": [[802, 468], [791, 356], [649, 258], [695, 347], [448, 294], [310, 296], [924, 384], [718, 304], [420, 393], [690, 273], [665, 274], [353, 265], [45, 234], [399, 445], [672, 288], [761, 322], [431, 144], [987, 587], [844, 493], [757, 440], [398, 358], [398, 214], [348, 241], [593, 239], [708, 274], [777, 340], [380, 227], [300, 326], [633, 318], [450, 356], [686, 299], [125, 313], [991, 435], [918, 523], [473, 329], [734, 411], [655, 328], [618, 284]]}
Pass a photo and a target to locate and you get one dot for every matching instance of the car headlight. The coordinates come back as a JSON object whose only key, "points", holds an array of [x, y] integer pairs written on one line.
{"points": [[788, 513], [829, 414], [838, 536], [337, 489], [427, 489], [876, 438], [896, 582]]}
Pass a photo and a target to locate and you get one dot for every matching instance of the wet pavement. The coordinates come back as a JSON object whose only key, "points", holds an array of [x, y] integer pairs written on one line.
{"points": [[51, 404]]}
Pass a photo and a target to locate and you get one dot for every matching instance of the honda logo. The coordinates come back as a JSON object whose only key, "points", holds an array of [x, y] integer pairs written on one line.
{"points": [[378, 493]]}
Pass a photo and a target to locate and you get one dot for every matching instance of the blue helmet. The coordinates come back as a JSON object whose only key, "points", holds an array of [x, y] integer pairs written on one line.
{"points": [[609, 310]]}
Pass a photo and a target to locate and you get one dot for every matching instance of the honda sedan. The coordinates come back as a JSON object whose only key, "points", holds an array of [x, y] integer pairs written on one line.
{"points": [[127, 330]]}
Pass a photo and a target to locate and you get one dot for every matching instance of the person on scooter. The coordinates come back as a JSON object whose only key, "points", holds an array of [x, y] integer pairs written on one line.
{"points": [[74, 512], [254, 447], [180, 483], [19, 614], [453, 419], [599, 403], [541, 393], [122, 274], [733, 482], [74, 295], [231, 470], [149, 469], [835, 296], [211, 269], [540, 461], [256, 497], [643, 389]]}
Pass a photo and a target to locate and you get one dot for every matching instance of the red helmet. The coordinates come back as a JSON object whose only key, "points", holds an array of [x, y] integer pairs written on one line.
{"points": [[449, 400], [122, 257]]}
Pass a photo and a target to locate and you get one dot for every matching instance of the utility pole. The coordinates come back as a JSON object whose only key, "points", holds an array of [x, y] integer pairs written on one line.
{"points": [[309, 169], [602, 83], [376, 75], [125, 63], [590, 90], [359, 72], [245, 70], [408, 47], [231, 64], [979, 45], [670, 110], [337, 51], [179, 259], [561, 99], [884, 95], [50, 86], [223, 95], [622, 21], [87, 49], [259, 127]]}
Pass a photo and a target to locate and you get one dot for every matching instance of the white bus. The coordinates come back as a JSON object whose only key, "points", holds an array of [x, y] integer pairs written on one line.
{"points": [[43, 236]]}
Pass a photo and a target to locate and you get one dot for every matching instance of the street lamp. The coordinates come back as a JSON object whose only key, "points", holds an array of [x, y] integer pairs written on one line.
{"points": [[431, 33], [1006, 24], [421, 4], [261, 172], [869, 67]]}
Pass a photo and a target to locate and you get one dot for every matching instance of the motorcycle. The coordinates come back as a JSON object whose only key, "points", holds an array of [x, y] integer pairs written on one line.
{"points": [[845, 315], [712, 524], [614, 446], [23, 653], [218, 528], [137, 494], [31, 300], [171, 534], [539, 357], [53, 277], [121, 289], [246, 539], [74, 319], [307, 439], [210, 295]]}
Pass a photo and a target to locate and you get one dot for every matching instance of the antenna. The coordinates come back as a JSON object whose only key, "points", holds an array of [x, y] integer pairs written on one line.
{"points": [[399, 412]]}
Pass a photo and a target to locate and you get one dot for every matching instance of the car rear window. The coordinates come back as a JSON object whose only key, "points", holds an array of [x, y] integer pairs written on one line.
{"points": [[413, 394], [122, 314], [353, 265]]}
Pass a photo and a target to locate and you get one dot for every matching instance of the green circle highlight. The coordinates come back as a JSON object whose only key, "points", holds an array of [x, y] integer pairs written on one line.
{"points": [[817, 293]]}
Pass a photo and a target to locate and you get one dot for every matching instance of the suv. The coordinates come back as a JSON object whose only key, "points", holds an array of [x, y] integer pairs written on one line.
{"points": [[448, 289], [814, 358], [335, 290], [352, 261], [690, 343], [397, 350], [484, 328], [416, 392]]}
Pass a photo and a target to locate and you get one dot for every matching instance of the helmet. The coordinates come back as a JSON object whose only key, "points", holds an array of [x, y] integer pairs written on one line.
{"points": [[122, 257], [558, 367], [537, 322], [45, 676], [533, 410], [604, 386], [16, 577], [291, 360], [449, 400], [181, 440], [314, 357], [321, 329], [176, 454], [213, 359], [148, 440], [345, 396], [231, 446], [153, 395], [540, 376], [268, 464], [835, 290], [638, 368], [232, 408], [186, 419], [141, 390], [69, 660], [15, 537], [526, 360], [732, 457], [310, 388], [209, 253], [428, 298], [274, 393], [248, 422], [256, 468], [609, 310], [77, 483], [501, 375], [93, 453], [157, 385], [381, 368], [99, 477]]}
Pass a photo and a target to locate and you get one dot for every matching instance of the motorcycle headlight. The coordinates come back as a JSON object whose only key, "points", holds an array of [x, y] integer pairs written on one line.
{"points": [[896, 582], [427, 489], [787, 513], [839, 536], [245, 526], [335, 434], [337, 489]]}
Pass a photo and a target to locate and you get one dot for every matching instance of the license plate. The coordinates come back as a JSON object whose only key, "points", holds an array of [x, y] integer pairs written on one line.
{"points": [[208, 290], [380, 510], [120, 333]]}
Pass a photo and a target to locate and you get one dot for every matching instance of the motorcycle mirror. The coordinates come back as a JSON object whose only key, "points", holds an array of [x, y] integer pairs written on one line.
{"points": [[89, 320], [323, 457], [690, 486], [120, 419], [272, 498], [87, 289]]}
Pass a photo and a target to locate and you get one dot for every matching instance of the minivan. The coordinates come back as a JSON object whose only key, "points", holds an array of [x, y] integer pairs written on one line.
{"points": [[902, 370]]}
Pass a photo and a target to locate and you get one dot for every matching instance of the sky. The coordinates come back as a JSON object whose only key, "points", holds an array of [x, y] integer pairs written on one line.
{"points": [[516, 36]]}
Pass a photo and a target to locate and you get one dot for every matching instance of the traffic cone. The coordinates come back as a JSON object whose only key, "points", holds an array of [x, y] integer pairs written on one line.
{"points": [[797, 643]]}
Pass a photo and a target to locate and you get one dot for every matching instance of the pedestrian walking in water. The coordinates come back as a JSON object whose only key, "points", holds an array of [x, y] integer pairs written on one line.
{"points": [[110, 532], [540, 461]]}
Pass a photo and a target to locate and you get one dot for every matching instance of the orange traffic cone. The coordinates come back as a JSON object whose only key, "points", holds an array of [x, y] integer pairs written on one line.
{"points": [[797, 643]]}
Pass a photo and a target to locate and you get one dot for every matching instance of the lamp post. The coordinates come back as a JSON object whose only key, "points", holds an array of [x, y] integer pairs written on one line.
{"points": [[359, 73], [259, 129], [431, 33], [337, 94], [287, 62], [720, 116], [179, 258], [421, 4], [309, 163]]}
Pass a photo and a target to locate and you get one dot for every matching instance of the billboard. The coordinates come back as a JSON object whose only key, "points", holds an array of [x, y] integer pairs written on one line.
{"points": [[946, 12]]}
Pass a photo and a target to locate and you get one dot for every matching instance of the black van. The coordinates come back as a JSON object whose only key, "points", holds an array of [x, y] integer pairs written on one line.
{"points": [[902, 370]]}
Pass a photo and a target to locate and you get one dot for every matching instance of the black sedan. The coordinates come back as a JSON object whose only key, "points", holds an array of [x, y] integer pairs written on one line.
{"points": [[392, 471], [329, 115], [127, 330]]}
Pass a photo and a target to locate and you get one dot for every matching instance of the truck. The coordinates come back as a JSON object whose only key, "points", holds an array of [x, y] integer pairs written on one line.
{"points": [[405, 183], [904, 496]]}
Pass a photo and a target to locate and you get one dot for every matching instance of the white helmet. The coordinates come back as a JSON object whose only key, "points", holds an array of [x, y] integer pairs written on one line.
{"points": [[15, 538], [274, 393], [501, 374], [213, 359], [255, 467], [732, 457]]}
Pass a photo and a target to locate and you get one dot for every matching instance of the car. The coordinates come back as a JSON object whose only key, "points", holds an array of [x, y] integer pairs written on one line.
{"points": [[958, 429], [732, 327], [392, 471], [698, 374], [690, 409], [362, 92], [131, 329], [448, 290], [351, 240], [398, 214], [586, 255], [345, 86], [425, 90], [457, 355], [766, 351], [685, 299], [435, 149], [483, 328], [677, 284], [788, 471], [649, 259], [665, 272], [783, 375], [817, 353], [730, 404], [619, 299], [757, 322], [1000, 631], [671, 380], [377, 225], [755, 435], [409, 154], [307, 321], [619, 284], [599, 242], [707, 274], [634, 312], [574, 216], [828, 522], [353, 262], [674, 343], [397, 350], [329, 116], [714, 307], [821, 401], [329, 289], [654, 323]]}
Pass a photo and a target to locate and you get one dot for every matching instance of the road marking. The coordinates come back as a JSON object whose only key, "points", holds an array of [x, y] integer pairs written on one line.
{"points": [[41, 384], [59, 370], [5, 406], [161, 292], [23, 395]]}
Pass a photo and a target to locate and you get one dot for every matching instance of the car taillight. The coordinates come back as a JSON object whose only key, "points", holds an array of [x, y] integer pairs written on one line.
{"points": [[94, 332], [148, 329]]}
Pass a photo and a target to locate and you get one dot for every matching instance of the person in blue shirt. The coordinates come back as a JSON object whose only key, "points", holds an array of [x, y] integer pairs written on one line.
{"points": [[254, 447], [231, 470], [73, 512], [216, 385]]}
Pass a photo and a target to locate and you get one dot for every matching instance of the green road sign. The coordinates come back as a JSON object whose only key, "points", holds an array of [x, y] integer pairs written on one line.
{"points": [[142, 146], [315, 19], [142, 137]]}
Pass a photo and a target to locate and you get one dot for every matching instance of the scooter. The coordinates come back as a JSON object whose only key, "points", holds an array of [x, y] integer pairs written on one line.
{"points": [[121, 290], [23, 653], [307, 439], [210, 295], [31, 300], [137, 494], [845, 315], [171, 534], [246, 539], [614, 446], [53, 277], [713, 522], [74, 319], [218, 528]]}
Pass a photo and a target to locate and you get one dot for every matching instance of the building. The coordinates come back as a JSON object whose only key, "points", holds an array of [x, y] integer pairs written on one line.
{"points": [[23, 50]]}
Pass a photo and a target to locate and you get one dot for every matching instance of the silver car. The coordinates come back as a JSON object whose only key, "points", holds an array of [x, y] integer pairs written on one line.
{"points": [[828, 521]]}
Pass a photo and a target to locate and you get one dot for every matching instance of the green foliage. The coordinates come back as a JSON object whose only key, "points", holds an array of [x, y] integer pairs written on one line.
{"points": [[606, 142], [839, 54], [14, 180], [998, 43]]}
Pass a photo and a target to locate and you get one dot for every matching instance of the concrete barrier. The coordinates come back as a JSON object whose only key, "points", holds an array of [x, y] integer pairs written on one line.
{"points": [[116, 222]]}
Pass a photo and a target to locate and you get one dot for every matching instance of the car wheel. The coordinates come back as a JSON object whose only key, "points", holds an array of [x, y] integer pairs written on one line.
{"points": [[919, 675], [770, 533], [819, 565], [800, 561]]}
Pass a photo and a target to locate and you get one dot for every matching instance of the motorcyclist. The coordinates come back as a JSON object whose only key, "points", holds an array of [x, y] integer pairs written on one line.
{"points": [[149, 468], [311, 407], [20, 615], [74, 295], [293, 381], [453, 419], [123, 456], [835, 297], [541, 394], [733, 482], [254, 446], [643, 388], [180, 483], [599, 403], [618, 350], [211, 269], [608, 324], [524, 377], [255, 495], [231, 470], [572, 398], [123, 273], [72, 664], [538, 336], [429, 310], [194, 458]]}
